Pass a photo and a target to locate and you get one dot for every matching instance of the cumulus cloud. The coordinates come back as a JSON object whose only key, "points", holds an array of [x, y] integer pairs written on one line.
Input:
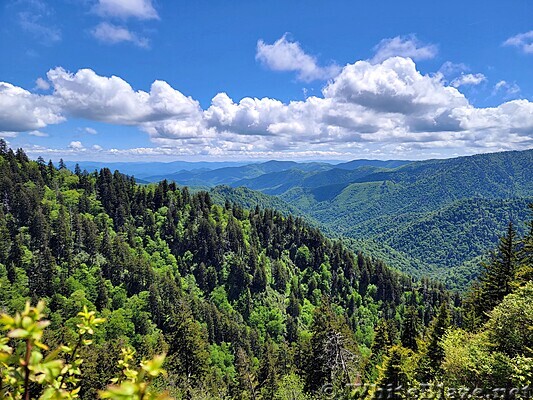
{"points": [[111, 99], [90, 131], [468, 79], [522, 41], [112, 34], [22, 111], [393, 86], [286, 55], [76, 145], [140, 9], [403, 46], [367, 109], [42, 84]]}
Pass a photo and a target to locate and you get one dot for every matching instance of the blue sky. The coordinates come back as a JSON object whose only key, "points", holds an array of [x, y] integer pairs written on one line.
{"points": [[265, 79]]}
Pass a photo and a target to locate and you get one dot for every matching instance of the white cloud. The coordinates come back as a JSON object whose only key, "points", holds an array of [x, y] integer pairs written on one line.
{"points": [[392, 86], [90, 131], [76, 145], [468, 79], [5, 134], [506, 88], [35, 19], [97, 147], [452, 69], [522, 41], [38, 133], [22, 111], [112, 34], [404, 46], [42, 84], [380, 109], [111, 99], [140, 9], [285, 55]]}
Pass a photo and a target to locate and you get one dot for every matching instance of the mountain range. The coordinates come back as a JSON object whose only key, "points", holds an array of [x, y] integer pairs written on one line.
{"points": [[455, 208]]}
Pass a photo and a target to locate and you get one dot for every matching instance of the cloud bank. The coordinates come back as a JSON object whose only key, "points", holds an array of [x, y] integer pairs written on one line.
{"points": [[380, 109]]}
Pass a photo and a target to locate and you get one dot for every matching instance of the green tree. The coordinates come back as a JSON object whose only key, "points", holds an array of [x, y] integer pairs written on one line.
{"points": [[393, 380], [247, 384], [435, 352], [495, 281], [188, 354], [410, 329], [291, 387], [510, 326]]}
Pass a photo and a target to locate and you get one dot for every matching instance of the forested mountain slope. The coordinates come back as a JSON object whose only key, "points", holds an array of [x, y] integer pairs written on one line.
{"points": [[244, 302], [456, 207]]}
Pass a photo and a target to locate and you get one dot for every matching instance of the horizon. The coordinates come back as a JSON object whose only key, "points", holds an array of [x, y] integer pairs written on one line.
{"points": [[244, 162], [119, 80]]}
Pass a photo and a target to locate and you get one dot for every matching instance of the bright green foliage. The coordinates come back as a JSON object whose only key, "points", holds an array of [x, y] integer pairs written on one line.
{"points": [[135, 383], [291, 387], [29, 370], [243, 302], [510, 325], [393, 373]]}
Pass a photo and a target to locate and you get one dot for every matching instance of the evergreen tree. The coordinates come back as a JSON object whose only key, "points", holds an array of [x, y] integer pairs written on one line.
{"points": [[524, 272], [188, 355], [41, 274], [410, 329], [393, 381], [293, 309], [267, 376], [3, 147], [496, 280], [435, 352], [5, 239], [246, 380], [61, 241]]}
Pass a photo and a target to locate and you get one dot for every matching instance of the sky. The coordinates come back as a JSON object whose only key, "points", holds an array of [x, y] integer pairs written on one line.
{"points": [[235, 80]]}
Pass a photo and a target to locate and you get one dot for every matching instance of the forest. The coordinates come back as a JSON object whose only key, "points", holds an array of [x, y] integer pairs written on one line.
{"points": [[113, 289]]}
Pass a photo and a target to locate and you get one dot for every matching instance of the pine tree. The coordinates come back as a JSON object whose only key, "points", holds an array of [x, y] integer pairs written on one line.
{"points": [[293, 309], [247, 381], [3, 147], [267, 375], [41, 275], [5, 239], [259, 281], [496, 280], [61, 241], [393, 381], [410, 329], [435, 352], [188, 352], [524, 272]]}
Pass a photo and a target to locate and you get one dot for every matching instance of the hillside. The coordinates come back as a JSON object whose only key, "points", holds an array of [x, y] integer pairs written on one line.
{"points": [[457, 207], [222, 290]]}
